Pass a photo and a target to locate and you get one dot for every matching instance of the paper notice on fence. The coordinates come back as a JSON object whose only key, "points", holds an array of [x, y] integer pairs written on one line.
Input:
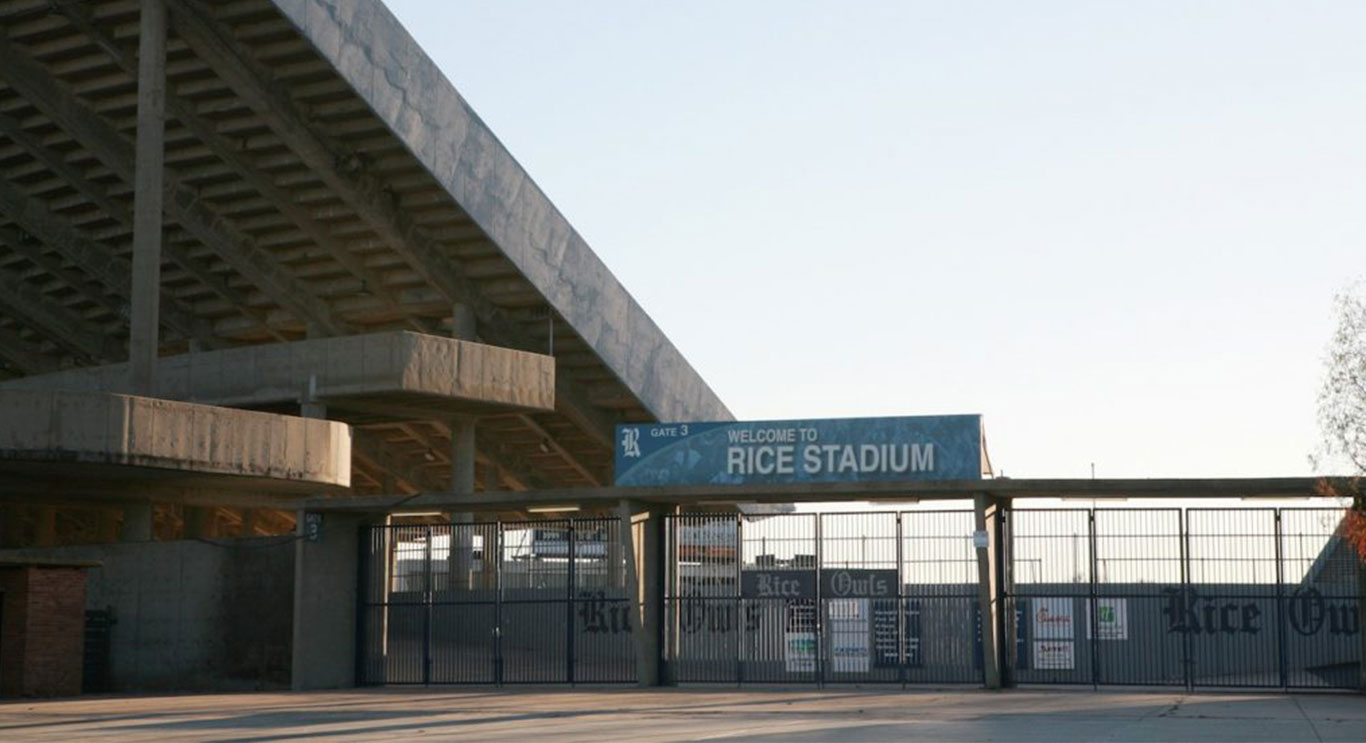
{"points": [[1053, 655]]}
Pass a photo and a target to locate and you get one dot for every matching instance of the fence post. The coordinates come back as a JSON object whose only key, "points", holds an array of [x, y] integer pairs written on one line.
{"points": [[497, 603], [991, 670], [818, 615], [427, 613], [1183, 526], [1092, 615], [569, 604], [1282, 651], [740, 605], [900, 604]]}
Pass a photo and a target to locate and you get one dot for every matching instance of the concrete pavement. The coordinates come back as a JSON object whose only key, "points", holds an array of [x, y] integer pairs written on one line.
{"points": [[760, 714]]}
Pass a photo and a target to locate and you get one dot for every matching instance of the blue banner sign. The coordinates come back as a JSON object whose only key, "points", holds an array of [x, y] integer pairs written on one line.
{"points": [[942, 447]]}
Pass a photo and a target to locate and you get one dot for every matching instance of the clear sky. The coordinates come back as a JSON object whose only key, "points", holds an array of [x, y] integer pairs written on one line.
{"points": [[1112, 228]]}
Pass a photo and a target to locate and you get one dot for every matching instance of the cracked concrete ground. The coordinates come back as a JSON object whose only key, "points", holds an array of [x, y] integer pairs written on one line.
{"points": [[712, 713]]}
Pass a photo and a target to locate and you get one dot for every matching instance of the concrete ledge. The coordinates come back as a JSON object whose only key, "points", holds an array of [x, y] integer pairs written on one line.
{"points": [[394, 371], [76, 430]]}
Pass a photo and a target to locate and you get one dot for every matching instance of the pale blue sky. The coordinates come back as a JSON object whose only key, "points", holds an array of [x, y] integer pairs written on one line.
{"points": [[1112, 228]]}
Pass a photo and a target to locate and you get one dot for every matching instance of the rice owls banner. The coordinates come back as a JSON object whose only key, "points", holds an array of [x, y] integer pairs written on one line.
{"points": [[943, 447]]}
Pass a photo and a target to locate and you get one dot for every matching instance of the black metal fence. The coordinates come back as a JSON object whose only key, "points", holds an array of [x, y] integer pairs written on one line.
{"points": [[1196, 598], [826, 598], [495, 603], [1192, 598]]}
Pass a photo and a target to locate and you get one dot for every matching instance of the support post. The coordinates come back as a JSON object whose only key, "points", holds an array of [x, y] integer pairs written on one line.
{"points": [[642, 536], [987, 584], [461, 553], [144, 312], [45, 526]]}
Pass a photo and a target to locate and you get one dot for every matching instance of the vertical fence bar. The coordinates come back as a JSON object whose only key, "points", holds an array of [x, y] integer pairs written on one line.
{"points": [[1281, 650], [1186, 660], [569, 602], [900, 605], [1092, 603], [427, 612], [818, 611], [740, 606], [498, 604]]}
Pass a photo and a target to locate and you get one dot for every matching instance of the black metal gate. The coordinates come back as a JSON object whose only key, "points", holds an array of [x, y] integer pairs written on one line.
{"points": [[822, 598], [1246, 597], [495, 603]]}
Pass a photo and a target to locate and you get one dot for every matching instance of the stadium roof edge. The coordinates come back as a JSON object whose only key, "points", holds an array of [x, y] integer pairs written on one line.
{"points": [[386, 68]]}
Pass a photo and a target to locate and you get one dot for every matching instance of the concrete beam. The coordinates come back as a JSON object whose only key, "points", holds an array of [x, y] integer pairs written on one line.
{"points": [[29, 358], [39, 87], [120, 213], [94, 259], [240, 162], [887, 492], [366, 195], [551, 441], [62, 326], [370, 447], [386, 68]]}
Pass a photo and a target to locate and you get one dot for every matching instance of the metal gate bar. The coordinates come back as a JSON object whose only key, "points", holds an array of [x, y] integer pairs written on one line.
{"points": [[468, 604]]}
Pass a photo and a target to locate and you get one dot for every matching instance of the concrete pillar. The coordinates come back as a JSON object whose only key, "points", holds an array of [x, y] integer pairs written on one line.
{"points": [[137, 522], [45, 526], [198, 523], [463, 325], [460, 560], [987, 588], [642, 537], [109, 525], [326, 572], [144, 313], [11, 526]]}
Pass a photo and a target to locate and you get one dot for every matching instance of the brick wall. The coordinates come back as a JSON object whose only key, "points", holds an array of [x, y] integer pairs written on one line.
{"points": [[43, 630]]}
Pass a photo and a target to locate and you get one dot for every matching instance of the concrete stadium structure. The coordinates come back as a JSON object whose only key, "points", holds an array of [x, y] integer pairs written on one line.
{"points": [[259, 259]]}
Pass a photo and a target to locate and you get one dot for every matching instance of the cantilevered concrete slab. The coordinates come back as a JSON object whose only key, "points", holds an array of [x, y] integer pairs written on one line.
{"points": [[362, 376], [387, 69], [108, 441]]}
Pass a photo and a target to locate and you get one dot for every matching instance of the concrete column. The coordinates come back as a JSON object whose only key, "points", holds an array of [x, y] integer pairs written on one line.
{"points": [[45, 526], [144, 313], [987, 583], [11, 521], [463, 325], [109, 525], [642, 537], [198, 523], [461, 556], [326, 572], [137, 522]]}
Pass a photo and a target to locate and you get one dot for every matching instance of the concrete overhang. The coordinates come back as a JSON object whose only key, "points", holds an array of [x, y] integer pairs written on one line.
{"points": [[82, 443], [391, 375]]}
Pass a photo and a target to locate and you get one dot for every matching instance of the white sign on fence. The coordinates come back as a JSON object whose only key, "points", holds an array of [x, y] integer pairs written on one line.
{"points": [[1053, 618], [1053, 655], [1112, 617]]}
